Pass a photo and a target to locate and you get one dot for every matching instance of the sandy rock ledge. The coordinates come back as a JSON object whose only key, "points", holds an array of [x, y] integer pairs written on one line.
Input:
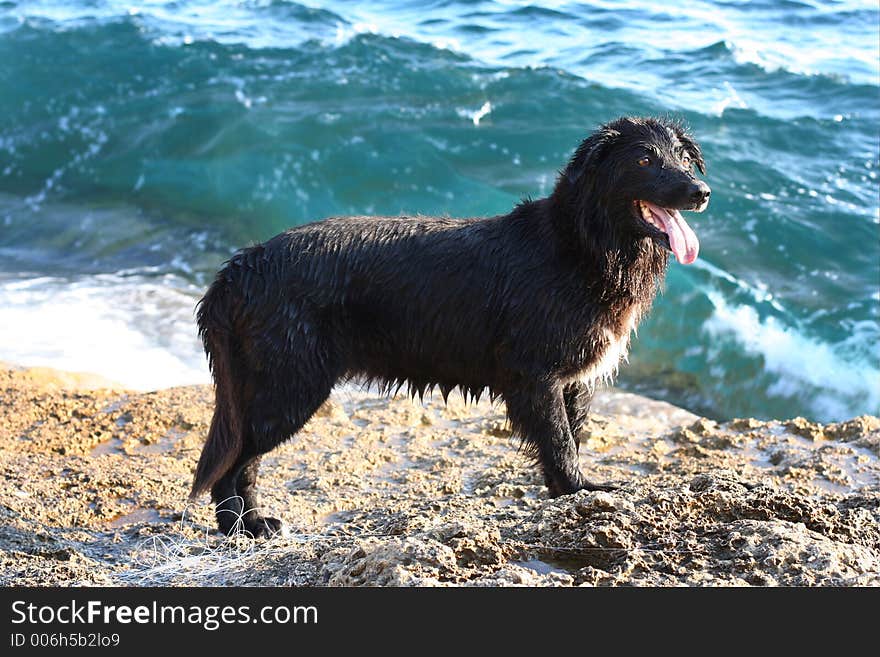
{"points": [[385, 492]]}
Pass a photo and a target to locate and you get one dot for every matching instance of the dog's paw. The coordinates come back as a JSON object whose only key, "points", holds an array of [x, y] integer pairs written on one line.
{"points": [[567, 488], [597, 487], [263, 527], [253, 527]]}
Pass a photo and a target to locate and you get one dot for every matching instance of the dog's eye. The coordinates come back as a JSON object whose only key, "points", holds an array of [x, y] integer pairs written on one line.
{"points": [[644, 161], [686, 161]]}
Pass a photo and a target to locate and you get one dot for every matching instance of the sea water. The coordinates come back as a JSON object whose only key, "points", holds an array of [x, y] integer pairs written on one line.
{"points": [[141, 143]]}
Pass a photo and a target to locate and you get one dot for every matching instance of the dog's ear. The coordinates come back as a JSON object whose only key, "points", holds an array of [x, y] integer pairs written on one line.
{"points": [[691, 146], [590, 153]]}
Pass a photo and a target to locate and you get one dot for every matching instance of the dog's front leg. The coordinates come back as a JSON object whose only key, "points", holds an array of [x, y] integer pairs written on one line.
{"points": [[577, 397], [537, 414]]}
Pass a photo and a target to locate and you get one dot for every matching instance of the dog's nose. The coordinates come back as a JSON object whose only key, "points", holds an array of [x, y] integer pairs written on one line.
{"points": [[700, 192]]}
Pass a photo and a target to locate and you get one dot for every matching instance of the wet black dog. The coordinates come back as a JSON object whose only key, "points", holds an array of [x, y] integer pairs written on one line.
{"points": [[535, 307]]}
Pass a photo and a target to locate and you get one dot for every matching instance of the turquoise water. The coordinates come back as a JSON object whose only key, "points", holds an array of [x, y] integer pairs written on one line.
{"points": [[142, 142]]}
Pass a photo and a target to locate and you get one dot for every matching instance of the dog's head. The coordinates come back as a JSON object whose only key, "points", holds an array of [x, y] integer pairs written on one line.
{"points": [[642, 171]]}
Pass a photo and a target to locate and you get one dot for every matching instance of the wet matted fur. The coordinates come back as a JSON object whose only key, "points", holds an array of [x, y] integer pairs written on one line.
{"points": [[534, 307]]}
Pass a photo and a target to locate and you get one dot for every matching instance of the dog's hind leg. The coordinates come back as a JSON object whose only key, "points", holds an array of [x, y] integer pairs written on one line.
{"points": [[235, 509], [577, 397], [279, 410], [237, 504], [538, 415]]}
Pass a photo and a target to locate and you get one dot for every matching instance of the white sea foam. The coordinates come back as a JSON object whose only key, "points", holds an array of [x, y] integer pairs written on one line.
{"points": [[475, 115], [136, 330], [758, 292], [727, 97], [840, 379]]}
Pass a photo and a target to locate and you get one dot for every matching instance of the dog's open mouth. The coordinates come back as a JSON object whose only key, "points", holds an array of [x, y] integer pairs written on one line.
{"points": [[680, 238]]}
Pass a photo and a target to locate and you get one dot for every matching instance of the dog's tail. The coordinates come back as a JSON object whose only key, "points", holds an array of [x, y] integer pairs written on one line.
{"points": [[224, 443]]}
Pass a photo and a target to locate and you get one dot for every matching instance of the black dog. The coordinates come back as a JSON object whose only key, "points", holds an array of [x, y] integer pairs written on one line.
{"points": [[535, 306]]}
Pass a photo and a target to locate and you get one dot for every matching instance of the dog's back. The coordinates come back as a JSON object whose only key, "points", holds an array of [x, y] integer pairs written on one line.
{"points": [[417, 299]]}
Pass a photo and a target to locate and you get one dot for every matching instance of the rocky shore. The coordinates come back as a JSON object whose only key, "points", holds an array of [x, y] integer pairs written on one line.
{"points": [[378, 491]]}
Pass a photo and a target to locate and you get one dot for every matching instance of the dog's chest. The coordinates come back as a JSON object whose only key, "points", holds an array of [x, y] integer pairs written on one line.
{"points": [[609, 348]]}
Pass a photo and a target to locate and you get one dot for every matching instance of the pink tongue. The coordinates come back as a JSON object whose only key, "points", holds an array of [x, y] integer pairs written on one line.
{"points": [[682, 239]]}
